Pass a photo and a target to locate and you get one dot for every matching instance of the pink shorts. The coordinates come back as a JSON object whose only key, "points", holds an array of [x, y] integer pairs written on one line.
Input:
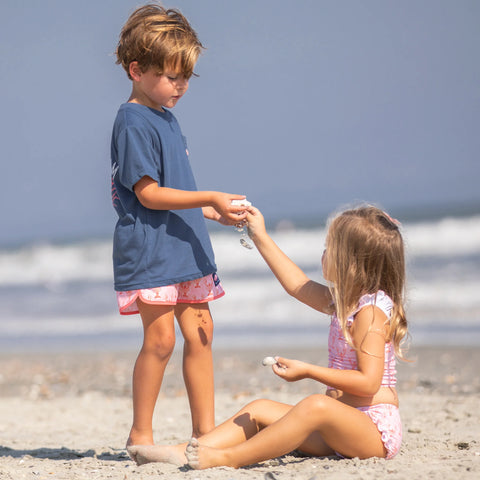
{"points": [[387, 419], [200, 290]]}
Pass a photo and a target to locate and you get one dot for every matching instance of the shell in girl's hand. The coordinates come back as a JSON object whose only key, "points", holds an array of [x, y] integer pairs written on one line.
{"points": [[268, 361]]}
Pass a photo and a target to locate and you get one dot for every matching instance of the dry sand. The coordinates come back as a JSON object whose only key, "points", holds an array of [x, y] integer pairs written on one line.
{"points": [[67, 416]]}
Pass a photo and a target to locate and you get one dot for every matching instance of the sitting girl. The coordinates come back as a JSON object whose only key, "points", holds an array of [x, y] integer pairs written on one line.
{"points": [[358, 416]]}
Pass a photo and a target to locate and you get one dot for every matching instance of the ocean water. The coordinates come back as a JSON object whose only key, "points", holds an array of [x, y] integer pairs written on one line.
{"points": [[60, 297]]}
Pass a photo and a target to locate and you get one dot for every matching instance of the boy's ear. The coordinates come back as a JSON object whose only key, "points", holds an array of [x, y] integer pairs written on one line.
{"points": [[135, 71]]}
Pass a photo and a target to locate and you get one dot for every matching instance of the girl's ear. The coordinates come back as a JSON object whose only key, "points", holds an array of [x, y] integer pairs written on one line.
{"points": [[135, 71]]}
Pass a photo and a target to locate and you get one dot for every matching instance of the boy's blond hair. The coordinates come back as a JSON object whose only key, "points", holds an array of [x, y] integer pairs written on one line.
{"points": [[156, 37], [365, 254]]}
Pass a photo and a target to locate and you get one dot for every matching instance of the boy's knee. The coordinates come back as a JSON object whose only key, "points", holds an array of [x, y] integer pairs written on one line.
{"points": [[161, 347], [200, 338]]}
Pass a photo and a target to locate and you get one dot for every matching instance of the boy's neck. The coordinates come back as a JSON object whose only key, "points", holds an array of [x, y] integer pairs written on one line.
{"points": [[136, 99]]}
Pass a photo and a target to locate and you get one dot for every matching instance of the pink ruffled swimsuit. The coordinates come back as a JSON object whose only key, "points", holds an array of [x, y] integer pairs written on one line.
{"points": [[343, 357]]}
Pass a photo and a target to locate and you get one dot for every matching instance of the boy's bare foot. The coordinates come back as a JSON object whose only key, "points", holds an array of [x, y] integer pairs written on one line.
{"points": [[142, 454], [201, 456]]}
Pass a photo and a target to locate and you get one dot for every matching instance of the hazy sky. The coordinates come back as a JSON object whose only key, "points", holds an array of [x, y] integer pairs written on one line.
{"points": [[302, 106]]}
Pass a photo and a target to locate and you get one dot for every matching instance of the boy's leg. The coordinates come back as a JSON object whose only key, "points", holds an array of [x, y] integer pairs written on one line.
{"points": [[196, 325], [158, 345]]}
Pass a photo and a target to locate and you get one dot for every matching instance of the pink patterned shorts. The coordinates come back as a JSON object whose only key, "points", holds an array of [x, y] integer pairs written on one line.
{"points": [[387, 419], [200, 290]]}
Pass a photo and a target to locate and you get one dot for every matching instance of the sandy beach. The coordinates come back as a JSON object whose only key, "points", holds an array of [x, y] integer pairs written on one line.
{"points": [[67, 416]]}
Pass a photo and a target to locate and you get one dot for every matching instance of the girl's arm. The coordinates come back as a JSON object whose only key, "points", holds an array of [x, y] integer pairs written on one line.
{"points": [[291, 277], [368, 335], [152, 196]]}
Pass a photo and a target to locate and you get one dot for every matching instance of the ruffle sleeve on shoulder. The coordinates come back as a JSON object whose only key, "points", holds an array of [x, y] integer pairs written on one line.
{"points": [[379, 299]]}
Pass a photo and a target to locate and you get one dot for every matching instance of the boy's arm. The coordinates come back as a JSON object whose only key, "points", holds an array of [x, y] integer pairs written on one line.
{"points": [[291, 277], [152, 196]]}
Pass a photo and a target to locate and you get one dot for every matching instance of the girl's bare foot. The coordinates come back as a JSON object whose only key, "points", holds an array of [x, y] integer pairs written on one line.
{"points": [[140, 438], [137, 439], [142, 454], [201, 456]]}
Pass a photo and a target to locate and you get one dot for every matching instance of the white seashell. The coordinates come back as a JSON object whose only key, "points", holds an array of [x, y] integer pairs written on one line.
{"points": [[268, 361], [241, 203]]}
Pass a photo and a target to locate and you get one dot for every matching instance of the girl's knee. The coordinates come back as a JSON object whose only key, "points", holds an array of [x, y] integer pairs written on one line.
{"points": [[260, 410], [257, 405], [251, 417], [317, 404]]}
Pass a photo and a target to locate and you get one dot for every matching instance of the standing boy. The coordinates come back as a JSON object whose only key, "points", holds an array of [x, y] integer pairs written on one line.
{"points": [[164, 265]]}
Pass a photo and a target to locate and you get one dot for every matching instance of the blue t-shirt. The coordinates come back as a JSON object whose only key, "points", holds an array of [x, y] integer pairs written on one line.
{"points": [[152, 248]]}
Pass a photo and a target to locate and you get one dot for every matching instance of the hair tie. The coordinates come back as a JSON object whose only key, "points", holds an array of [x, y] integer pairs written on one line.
{"points": [[393, 220]]}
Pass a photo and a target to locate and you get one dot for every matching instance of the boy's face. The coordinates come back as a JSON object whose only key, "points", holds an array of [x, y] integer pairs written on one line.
{"points": [[157, 90]]}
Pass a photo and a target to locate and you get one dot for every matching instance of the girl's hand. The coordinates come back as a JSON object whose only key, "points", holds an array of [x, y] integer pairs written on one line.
{"points": [[256, 223], [290, 370]]}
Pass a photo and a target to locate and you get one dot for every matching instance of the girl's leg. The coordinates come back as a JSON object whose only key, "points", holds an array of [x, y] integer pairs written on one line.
{"points": [[318, 425], [158, 344], [242, 426], [196, 325]]}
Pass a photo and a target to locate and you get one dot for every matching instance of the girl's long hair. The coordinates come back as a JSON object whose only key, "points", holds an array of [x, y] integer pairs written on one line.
{"points": [[365, 254]]}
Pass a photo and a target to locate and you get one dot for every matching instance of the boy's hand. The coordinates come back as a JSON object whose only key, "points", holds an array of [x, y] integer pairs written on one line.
{"points": [[229, 214], [212, 214], [290, 370]]}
